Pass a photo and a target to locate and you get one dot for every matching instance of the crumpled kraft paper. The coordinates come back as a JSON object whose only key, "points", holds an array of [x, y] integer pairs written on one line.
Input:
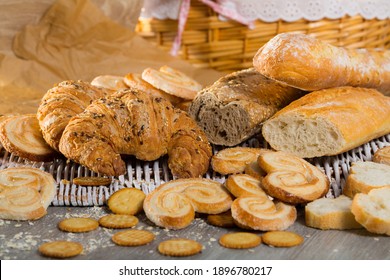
{"points": [[75, 40]]}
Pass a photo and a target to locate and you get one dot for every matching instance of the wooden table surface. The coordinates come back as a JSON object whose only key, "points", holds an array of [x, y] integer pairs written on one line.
{"points": [[20, 240]]}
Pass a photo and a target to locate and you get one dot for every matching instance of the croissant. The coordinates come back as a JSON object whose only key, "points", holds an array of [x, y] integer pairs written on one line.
{"points": [[132, 122], [60, 104]]}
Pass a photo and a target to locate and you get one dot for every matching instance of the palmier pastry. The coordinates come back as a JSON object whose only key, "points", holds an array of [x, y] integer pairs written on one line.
{"points": [[172, 81], [134, 80], [234, 160], [243, 184], [25, 193], [60, 104], [261, 213], [22, 136], [109, 82], [173, 204], [292, 179]]}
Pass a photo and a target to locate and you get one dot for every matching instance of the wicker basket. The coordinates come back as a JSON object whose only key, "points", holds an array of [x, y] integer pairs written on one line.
{"points": [[228, 45]]}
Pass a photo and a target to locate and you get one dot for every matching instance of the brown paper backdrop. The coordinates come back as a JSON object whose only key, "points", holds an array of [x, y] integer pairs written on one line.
{"points": [[74, 39]]}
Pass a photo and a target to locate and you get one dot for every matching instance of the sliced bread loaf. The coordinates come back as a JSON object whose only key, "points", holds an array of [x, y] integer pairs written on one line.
{"points": [[331, 213], [372, 210], [365, 176]]}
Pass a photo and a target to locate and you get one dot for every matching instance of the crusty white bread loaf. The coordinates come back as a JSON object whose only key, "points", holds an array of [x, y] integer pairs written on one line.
{"points": [[331, 213], [382, 155], [305, 62], [234, 107], [329, 122], [365, 176], [372, 210]]}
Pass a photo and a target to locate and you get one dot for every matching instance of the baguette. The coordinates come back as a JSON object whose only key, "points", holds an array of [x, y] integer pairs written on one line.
{"points": [[305, 62], [329, 122], [372, 210], [331, 213], [234, 107], [365, 176]]}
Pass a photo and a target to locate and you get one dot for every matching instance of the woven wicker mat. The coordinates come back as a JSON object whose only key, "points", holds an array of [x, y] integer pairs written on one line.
{"points": [[148, 175]]}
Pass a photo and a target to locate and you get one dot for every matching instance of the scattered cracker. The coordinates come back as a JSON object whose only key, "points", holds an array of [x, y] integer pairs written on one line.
{"points": [[282, 238], [224, 219], [240, 240], [78, 224], [133, 237], [118, 221], [92, 181], [179, 247], [61, 249], [128, 201]]}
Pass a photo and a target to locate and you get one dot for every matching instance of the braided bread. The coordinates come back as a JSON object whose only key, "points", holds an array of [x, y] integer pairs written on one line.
{"points": [[60, 104], [133, 122]]}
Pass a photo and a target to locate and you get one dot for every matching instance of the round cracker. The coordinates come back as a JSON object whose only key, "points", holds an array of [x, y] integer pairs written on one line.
{"points": [[133, 237], [240, 240], [92, 181], [179, 247], [118, 221], [282, 238], [127, 201], [61, 249], [78, 224], [224, 220]]}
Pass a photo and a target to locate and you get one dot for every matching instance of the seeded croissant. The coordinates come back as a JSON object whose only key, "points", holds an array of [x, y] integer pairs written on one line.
{"points": [[60, 104], [132, 122]]}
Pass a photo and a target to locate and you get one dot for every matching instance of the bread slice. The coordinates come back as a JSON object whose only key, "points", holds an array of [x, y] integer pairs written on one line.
{"points": [[372, 210], [331, 213], [382, 156], [365, 176], [329, 122]]}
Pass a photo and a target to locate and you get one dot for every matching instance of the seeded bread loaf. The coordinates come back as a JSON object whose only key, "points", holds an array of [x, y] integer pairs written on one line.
{"points": [[234, 107]]}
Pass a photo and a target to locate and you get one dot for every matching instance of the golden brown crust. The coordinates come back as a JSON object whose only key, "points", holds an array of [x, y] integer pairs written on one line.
{"points": [[21, 136], [331, 213], [372, 210], [365, 176], [61, 249], [26, 193], [304, 62], [292, 179], [179, 247], [243, 184], [173, 204], [233, 108], [172, 81], [261, 213], [382, 155], [234, 160], [240, 240], [329, 122], [135, 123], [60, 104], [134, 80]]}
